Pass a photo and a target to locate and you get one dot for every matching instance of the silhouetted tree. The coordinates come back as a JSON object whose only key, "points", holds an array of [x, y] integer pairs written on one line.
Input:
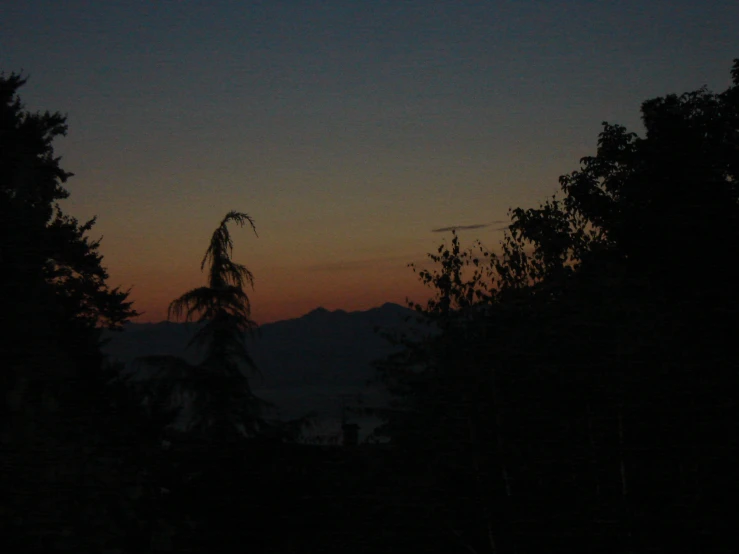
{"points": [[220, 397], [55, 301], [584, 382]]}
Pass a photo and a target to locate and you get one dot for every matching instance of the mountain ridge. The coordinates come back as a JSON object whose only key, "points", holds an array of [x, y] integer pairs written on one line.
{"points": [[387, 306], [311, 363]]}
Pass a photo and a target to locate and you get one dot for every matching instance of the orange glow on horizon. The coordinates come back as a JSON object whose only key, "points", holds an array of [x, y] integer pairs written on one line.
{"points": [[285, 294]]}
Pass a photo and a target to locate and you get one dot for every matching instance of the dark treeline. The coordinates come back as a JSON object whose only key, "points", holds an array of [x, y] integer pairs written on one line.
{"points": [[577, 393]]}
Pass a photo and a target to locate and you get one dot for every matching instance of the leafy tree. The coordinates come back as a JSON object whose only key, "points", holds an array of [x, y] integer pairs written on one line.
{"points": [[54, 285], [55, 293], [55, 301], [593, 351]]}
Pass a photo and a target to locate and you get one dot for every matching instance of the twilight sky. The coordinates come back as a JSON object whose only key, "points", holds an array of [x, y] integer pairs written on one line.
{"points": [[348, 130]]}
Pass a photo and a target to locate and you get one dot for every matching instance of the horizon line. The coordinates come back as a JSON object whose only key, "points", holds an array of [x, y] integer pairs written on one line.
{"points": [[316, 309]]}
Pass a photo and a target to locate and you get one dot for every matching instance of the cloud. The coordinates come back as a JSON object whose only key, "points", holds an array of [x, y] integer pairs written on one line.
{"points": [[355, 265], [468, 227]]}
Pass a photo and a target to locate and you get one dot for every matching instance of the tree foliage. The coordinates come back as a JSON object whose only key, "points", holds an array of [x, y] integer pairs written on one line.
{"points": [[55, 293], [213, 397], [56, 406], [587, 369]]}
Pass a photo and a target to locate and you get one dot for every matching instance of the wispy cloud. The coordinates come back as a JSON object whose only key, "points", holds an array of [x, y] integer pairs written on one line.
{"points": [[468, 227], [355, 265]]}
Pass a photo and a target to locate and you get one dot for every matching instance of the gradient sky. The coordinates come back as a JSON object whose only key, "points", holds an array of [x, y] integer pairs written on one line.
{"points": [[348, 130]]}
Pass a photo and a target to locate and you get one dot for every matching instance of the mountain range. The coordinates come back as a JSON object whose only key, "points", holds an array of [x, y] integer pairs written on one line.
{"points": [[319, 363]]}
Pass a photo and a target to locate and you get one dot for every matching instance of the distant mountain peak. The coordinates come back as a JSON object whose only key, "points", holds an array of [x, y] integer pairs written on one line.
{"points": [[392, 306], [386, 307]]}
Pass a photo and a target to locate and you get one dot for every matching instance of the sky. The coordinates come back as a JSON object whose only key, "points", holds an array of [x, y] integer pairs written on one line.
{"points": [[349, 130]]}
